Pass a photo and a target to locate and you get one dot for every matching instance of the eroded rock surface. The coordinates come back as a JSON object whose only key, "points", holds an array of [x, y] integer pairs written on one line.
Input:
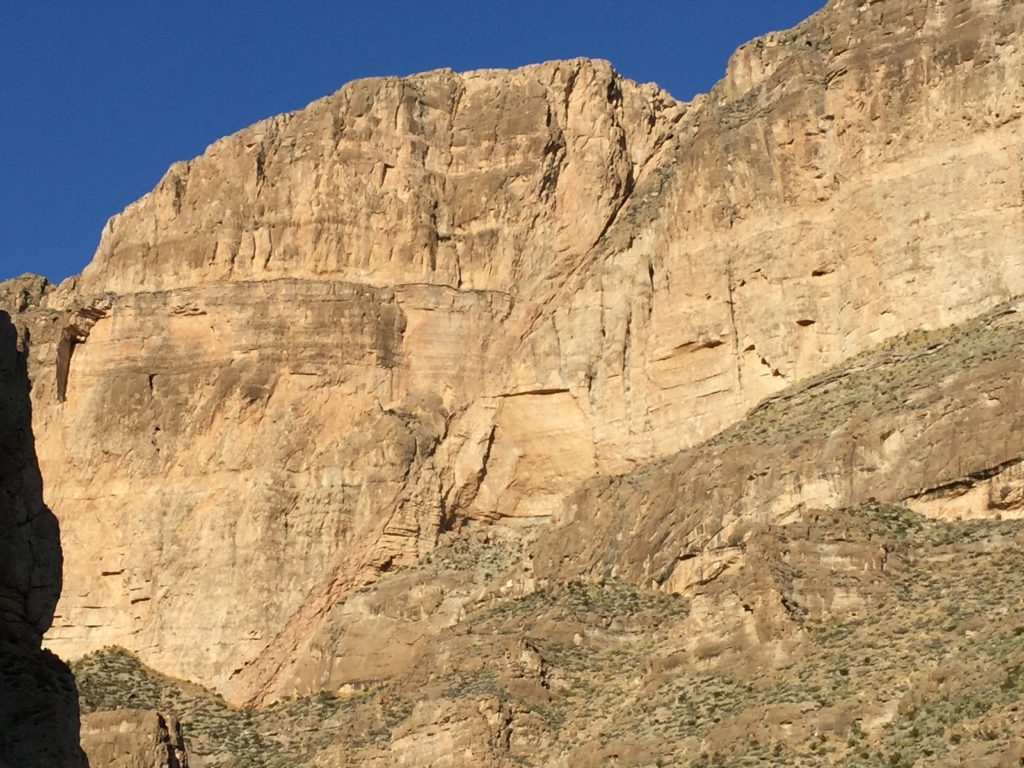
{"points": [[931, 421], [784, 610], [444, 300], [898, 637], [127, 738]]}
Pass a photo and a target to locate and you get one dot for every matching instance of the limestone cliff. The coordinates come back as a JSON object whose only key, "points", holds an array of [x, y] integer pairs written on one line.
{"points": [[449, 299], [931, 422], [781, 631]]}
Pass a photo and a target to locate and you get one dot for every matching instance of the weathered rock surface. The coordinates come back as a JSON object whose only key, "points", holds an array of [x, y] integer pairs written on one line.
{"points": [[449, 299], [745, 530], [38, 701], [782, 631], [930, 421], [128, 738]]}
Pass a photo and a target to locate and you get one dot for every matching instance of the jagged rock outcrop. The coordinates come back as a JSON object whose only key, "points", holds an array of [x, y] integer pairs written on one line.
{"points": [[449, 299], [129, 738], [38, 701]]}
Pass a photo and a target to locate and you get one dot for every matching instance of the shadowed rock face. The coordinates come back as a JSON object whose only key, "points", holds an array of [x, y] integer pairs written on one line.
{"points": [[30, 565], [449, 299], [38, 700]]}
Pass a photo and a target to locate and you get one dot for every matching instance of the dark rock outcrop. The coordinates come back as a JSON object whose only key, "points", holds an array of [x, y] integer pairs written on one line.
{"points": [[38, 700]]}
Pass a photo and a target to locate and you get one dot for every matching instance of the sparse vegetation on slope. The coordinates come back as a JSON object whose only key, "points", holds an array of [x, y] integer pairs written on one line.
{"points": [[285, 734], [927, 671], [889, 379]]}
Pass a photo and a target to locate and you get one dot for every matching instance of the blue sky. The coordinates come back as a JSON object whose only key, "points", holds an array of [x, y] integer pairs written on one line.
{"points": [[98, 98]]}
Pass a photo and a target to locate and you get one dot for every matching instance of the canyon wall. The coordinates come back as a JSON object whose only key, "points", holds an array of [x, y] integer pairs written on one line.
{"points": [[450, 299]]}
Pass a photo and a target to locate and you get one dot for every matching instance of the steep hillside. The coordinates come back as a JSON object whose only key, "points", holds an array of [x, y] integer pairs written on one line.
{"points": [[931, 421]]}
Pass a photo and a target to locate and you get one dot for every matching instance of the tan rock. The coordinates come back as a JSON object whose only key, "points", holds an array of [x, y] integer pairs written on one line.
{"points": [[426, 302], [452, 735], [911, 652], [931, 421], [133, 739]]}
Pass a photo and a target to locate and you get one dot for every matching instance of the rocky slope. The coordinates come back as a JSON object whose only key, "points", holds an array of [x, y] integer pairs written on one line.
{"points": [[859, 636], [38, 701], [448, 299]]}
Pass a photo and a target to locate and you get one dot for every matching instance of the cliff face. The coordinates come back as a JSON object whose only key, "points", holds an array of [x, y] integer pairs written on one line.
{"points": [[38, 701], [30, 579], [931, 422], [784, 631], [425, 302]]}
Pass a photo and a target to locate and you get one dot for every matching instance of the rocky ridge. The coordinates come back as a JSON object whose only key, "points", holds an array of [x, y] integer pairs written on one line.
{"points": [[859, 636]]}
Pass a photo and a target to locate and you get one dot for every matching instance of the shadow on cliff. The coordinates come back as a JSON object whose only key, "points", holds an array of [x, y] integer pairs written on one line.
{"points": [[39, 716]]}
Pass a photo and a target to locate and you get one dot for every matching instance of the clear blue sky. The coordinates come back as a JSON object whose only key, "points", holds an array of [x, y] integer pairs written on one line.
{"points": [[99, 97]]}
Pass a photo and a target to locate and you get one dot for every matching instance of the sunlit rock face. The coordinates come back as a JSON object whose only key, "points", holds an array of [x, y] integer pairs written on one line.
{"points": [[132, 738], [451, 298]]}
